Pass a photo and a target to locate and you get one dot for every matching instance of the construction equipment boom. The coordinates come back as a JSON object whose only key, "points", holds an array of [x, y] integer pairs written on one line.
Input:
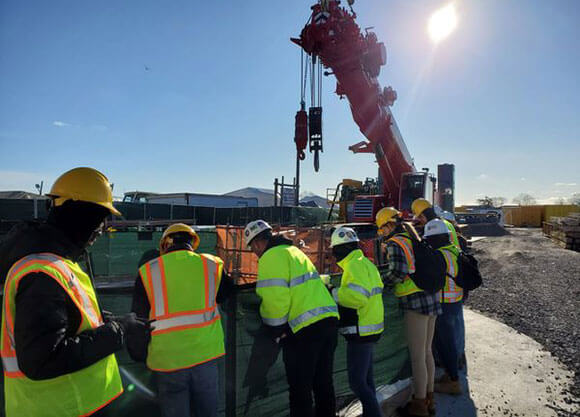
{"points": [[332, 36]]}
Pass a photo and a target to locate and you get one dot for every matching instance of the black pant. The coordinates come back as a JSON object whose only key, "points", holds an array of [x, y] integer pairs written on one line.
{"points": [[309, 358]]}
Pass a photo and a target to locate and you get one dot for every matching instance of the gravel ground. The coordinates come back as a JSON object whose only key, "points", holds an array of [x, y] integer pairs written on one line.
{"points": [[533, 285]]}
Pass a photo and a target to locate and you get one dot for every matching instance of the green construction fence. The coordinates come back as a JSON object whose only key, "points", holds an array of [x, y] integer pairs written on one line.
{"points": [[252, 376]]}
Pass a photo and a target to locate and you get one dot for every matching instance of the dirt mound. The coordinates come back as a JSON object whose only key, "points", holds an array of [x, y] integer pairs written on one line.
{"points": [[533, 286]]}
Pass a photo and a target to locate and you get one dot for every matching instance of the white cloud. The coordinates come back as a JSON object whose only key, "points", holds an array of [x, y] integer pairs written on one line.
{"points": [[522, 178], [565, 184], [59, 123], [482, 177]]}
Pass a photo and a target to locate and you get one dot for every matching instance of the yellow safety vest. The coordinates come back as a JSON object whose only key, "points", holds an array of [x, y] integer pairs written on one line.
{"points": [[451, 293], [452, 233], [181, 287], [407, 287], [291, 290], [79, 393], [361, 288]]}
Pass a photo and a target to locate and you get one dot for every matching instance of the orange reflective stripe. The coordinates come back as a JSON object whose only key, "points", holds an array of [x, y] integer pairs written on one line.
{"points": [[53, 261], [210, 270], [206, 277], [186, 319], [158, 285], [57, 279], [452, 292], [11, 369], [407, 250]]}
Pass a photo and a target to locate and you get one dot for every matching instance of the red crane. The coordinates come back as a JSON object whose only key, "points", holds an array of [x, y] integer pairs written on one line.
{"points": [[332, 36]]}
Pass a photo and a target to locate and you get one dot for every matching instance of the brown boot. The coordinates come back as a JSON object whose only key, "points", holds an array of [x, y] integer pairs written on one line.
{"points": [[417, 407], [430, 403], [448, 386]]}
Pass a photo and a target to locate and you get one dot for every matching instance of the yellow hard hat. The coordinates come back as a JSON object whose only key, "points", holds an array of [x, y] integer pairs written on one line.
{"points": [[83, 184], [387, 215], [178, 228], [419, 206]]}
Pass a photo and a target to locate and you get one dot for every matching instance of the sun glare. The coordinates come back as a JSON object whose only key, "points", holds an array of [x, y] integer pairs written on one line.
{"points": [[442, 22]]}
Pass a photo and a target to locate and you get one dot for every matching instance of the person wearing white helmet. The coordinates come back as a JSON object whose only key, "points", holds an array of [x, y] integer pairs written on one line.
{"points": [[447, 325], [300, 314], [360, 301], [424, 212], [447, 215]]}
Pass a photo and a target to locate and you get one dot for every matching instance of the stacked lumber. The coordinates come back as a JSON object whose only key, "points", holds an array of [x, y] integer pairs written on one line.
{"points": [[565, 231]]}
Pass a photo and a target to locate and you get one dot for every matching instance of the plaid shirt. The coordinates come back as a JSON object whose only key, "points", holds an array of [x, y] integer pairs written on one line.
{"points": [[394, 270], [394, 267]]}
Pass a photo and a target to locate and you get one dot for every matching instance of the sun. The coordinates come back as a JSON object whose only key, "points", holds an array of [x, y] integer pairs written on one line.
{"points": [[442, 22]]}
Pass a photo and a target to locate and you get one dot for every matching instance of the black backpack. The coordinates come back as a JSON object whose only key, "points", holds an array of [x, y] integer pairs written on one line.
{"points": [[468, 275], [430, 267]]}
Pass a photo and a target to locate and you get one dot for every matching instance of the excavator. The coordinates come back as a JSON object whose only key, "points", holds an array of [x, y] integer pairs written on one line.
{"points": [[332, 39]]}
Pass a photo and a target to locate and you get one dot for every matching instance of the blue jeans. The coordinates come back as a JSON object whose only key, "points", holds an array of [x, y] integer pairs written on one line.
{"points": [[461, 332], [192, 390], [359, 361], [447, 329]]}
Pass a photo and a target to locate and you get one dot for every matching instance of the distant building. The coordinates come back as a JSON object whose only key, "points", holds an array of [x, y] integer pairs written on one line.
{"points": [[190, 199], [21, 195]]}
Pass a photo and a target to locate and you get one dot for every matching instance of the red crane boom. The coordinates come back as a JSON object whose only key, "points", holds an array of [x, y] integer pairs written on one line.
{"points": [[355, 59]]}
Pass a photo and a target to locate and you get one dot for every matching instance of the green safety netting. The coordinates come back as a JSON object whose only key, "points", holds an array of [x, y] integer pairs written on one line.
{"points": [[252, 377]]}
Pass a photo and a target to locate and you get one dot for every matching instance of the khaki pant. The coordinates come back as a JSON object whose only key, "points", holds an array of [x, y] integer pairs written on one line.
{"points": [[420, 329]]}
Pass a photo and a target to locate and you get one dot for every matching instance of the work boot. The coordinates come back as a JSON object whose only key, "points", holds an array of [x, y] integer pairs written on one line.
{"points": [[430, 403], [447, 385], [417, 407]]}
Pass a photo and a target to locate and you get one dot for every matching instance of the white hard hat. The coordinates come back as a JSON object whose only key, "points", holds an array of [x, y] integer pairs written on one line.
{"points": [[438, 211], [435, 227], [342, 235], [254, 228], [447, 215]]}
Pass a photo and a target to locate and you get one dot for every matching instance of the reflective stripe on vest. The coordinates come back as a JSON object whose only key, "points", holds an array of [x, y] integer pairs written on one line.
{"points": [[185, 320], [53, 261], [407, 247], [276, 322], [164, 321], [362, 329], [451, 293], [362, 290], [281, 282], [310, 314], [11, 369]]}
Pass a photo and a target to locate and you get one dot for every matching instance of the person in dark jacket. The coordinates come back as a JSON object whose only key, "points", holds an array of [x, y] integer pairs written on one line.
{"points": [[360, 303], [47, 338]]}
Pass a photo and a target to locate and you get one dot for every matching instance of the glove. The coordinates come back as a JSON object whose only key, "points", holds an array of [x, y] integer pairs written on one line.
{"points": [[137, 333], [131, 324], [107, 316]]}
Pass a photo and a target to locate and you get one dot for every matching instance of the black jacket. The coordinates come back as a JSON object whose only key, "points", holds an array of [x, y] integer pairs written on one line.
{"points": [[46, 319]]}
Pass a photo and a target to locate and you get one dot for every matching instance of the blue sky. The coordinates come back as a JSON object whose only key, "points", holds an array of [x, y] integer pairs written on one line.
{"points": [[500, 98]]}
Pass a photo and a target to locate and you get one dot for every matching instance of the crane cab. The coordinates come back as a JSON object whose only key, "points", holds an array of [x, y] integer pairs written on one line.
{"points": [[416, 185]]}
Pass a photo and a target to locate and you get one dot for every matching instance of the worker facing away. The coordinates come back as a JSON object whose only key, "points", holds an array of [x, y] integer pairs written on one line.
{"points": [[298, 312], [447, 325], [57, 348], [360, 303], [420, 308], [180, 290], [424, 212]]}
